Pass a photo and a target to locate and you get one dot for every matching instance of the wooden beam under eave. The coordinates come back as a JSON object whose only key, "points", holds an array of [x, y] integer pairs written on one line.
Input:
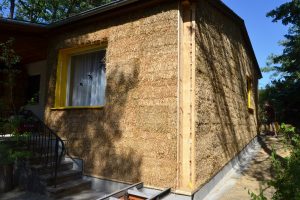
{"points": [[30, 47]]}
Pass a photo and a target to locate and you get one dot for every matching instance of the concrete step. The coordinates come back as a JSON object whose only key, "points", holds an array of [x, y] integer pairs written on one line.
{"points": [[37, 159], [62, 177], [43, 149], [68, 188], [41, 169]]}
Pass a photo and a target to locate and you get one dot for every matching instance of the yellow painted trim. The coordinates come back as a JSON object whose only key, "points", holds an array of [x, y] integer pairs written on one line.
{"points": [[76, 107], [249, 92], [63, 81], [58, 80], [62, 71]]}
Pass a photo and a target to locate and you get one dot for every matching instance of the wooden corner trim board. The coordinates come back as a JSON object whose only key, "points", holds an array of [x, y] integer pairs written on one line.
{"points": [[186, 160]]}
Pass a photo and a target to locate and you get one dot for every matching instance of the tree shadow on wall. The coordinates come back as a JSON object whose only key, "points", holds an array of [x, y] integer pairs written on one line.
{"points": [[94, 135], [228, 136]]}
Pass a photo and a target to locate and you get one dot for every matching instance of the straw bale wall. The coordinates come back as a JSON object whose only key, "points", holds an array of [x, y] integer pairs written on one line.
{"points": [[133, 137], [224, 124]]}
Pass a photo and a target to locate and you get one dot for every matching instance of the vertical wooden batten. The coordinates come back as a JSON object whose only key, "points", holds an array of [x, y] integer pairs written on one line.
{"points": [[179, 113], [187, 96]]}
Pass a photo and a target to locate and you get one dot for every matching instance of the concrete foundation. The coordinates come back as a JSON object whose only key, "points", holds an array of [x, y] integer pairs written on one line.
{"points": [[235, 166], [207, 192]]}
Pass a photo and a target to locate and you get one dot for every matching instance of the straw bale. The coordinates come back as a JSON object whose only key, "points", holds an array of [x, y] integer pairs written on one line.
{"points": [[223, 124], [133, 137]]}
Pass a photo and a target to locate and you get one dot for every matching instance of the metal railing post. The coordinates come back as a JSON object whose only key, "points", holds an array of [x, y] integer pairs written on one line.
{"points": [[56, 161]]}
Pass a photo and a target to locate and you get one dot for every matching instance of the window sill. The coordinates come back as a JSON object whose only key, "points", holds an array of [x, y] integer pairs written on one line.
{"points": [[77, 107]]}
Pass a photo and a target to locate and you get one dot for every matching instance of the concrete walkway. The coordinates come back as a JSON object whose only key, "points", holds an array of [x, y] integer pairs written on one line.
{"points": [[22, 195], [252, 177]]}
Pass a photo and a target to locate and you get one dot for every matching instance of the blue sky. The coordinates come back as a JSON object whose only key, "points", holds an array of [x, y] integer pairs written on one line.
{"points": [[264, 34]]}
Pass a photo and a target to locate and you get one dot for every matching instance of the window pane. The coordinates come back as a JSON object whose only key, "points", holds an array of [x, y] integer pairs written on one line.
{"points": [[87, 79]]}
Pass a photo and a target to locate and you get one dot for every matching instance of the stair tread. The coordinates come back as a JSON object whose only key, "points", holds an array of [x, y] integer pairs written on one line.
{"points": [[42, 156], [67, 185], [61, 174], [38, 166]]}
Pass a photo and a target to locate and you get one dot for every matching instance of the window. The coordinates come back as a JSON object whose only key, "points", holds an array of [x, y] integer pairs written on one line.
{"points": [[86, 81], [249, 93], [33, 89], [81, 79]]}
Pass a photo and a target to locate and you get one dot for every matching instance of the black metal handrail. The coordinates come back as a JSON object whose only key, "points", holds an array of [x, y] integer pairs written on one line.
{"points": [[46, 146]]}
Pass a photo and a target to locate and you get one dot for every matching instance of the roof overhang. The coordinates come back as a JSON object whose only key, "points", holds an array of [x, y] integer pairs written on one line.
{"points": [[36, 34], [32, 39], [29, 39]]}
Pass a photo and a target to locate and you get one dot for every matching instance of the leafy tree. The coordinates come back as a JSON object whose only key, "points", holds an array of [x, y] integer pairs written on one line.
{"points": [[3, 6], [289, 60], [284, 92], [47, 11], [8, 4], [9, 59]]}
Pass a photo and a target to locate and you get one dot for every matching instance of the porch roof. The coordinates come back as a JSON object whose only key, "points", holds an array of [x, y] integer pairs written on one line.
{"points": [[29, 39]]}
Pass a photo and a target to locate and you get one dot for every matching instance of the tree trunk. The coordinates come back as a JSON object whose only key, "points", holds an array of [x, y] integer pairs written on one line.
{"points": [[11, 91], [12, 9]]}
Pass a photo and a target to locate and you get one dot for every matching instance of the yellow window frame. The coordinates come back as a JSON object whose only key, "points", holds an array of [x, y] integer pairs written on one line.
{"points": [[63, 63], [249, 93]]}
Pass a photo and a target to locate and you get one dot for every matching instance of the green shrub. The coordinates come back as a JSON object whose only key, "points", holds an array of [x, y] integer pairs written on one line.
{"points": [[15, 124], [286, 180], [9, 153], [259, 196], [287, 174], [288, 131]]}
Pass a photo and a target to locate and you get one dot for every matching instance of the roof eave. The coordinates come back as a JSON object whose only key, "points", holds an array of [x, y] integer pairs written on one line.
{"points": [[241, 22], [10, 24], [92, 12]]}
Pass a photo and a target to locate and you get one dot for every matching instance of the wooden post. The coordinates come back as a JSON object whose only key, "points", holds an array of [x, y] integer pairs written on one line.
{"points": [[187, 96]]}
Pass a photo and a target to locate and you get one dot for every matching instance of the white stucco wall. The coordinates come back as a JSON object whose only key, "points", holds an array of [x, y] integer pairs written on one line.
{"points": [[38, 68]]}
